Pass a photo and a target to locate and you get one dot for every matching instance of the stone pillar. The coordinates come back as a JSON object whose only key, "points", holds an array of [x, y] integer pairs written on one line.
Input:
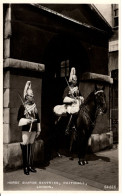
{"points": [[6, 108], [7, 32]]}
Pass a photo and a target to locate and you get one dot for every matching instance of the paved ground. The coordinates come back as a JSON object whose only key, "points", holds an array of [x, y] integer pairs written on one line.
{"points": [[63, 174]]}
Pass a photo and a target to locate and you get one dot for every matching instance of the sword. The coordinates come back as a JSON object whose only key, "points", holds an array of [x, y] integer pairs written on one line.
{"points": [[70, 88], [26, 111]]}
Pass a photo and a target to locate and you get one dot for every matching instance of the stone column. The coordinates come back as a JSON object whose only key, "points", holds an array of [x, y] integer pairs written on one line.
{"points": [[7, 32]]}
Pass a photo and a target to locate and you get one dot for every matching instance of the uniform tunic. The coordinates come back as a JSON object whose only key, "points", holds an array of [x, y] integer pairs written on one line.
{"points": [[70, 107], [72, 92], [21, 114]]}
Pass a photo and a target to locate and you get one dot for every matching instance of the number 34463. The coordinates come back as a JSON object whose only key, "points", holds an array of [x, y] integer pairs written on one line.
{"points": [[110, 187]]}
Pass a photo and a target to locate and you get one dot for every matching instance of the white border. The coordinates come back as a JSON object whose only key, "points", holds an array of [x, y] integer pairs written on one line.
{"points": [[121, 97]]}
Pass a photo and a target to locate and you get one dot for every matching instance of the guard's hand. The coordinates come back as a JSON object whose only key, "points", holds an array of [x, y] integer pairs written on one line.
{"points": [[34, 120], [82, 99], [29, 121], [37, 134]]}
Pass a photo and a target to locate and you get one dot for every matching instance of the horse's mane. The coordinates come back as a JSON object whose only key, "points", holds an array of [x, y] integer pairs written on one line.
{"points": [[89, 98]]}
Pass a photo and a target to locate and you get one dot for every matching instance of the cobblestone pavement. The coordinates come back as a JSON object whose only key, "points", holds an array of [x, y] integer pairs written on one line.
{"points": [[101, 174]]}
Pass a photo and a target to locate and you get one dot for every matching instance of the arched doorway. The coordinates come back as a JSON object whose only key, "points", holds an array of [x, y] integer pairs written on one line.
{"points": [[62, 53]]}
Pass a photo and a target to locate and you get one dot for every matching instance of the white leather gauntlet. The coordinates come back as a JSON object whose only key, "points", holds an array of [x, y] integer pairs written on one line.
{"points": [[23, 121], [68, 100]]}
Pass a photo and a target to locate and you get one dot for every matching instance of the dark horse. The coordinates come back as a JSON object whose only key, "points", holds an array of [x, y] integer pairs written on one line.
{"points": [[94, 105]]}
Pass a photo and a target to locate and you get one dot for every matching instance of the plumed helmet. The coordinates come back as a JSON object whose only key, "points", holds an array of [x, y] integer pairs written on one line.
{"points": [[27, 89], [72, 76]]}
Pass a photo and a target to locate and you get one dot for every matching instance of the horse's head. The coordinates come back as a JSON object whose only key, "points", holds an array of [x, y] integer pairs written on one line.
{"points": [[100, 100]]}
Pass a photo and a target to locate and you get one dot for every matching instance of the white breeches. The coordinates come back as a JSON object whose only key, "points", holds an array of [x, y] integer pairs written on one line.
{"points": [[28, 137], [70, 108], [63, 109]]}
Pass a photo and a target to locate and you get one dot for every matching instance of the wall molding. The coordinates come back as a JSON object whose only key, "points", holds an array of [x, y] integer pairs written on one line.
{"points": [[97, 77], [20, 64]]}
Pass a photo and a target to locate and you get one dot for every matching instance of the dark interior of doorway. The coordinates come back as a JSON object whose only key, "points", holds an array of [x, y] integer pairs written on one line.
{"points": [[60, 48]]}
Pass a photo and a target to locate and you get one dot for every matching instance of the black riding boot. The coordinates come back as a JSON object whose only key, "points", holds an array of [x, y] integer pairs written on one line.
{"points": [[31, 157], [67, 131], [24, 149]]}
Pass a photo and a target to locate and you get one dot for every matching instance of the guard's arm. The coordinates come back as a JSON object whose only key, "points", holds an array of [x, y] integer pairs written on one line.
{"points": [[24, 121], [68, 100]]}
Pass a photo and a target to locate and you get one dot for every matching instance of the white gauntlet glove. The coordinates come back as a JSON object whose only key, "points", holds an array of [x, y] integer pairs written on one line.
{"points": [[24, 121], [68, 100]]}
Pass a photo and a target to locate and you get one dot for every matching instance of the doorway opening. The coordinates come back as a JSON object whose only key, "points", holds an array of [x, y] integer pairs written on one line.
{"points": [[62, 53]]}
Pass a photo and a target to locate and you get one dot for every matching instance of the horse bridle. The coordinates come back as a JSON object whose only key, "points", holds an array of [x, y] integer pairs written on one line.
{"points": [[98, 107], [99, 91]]}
